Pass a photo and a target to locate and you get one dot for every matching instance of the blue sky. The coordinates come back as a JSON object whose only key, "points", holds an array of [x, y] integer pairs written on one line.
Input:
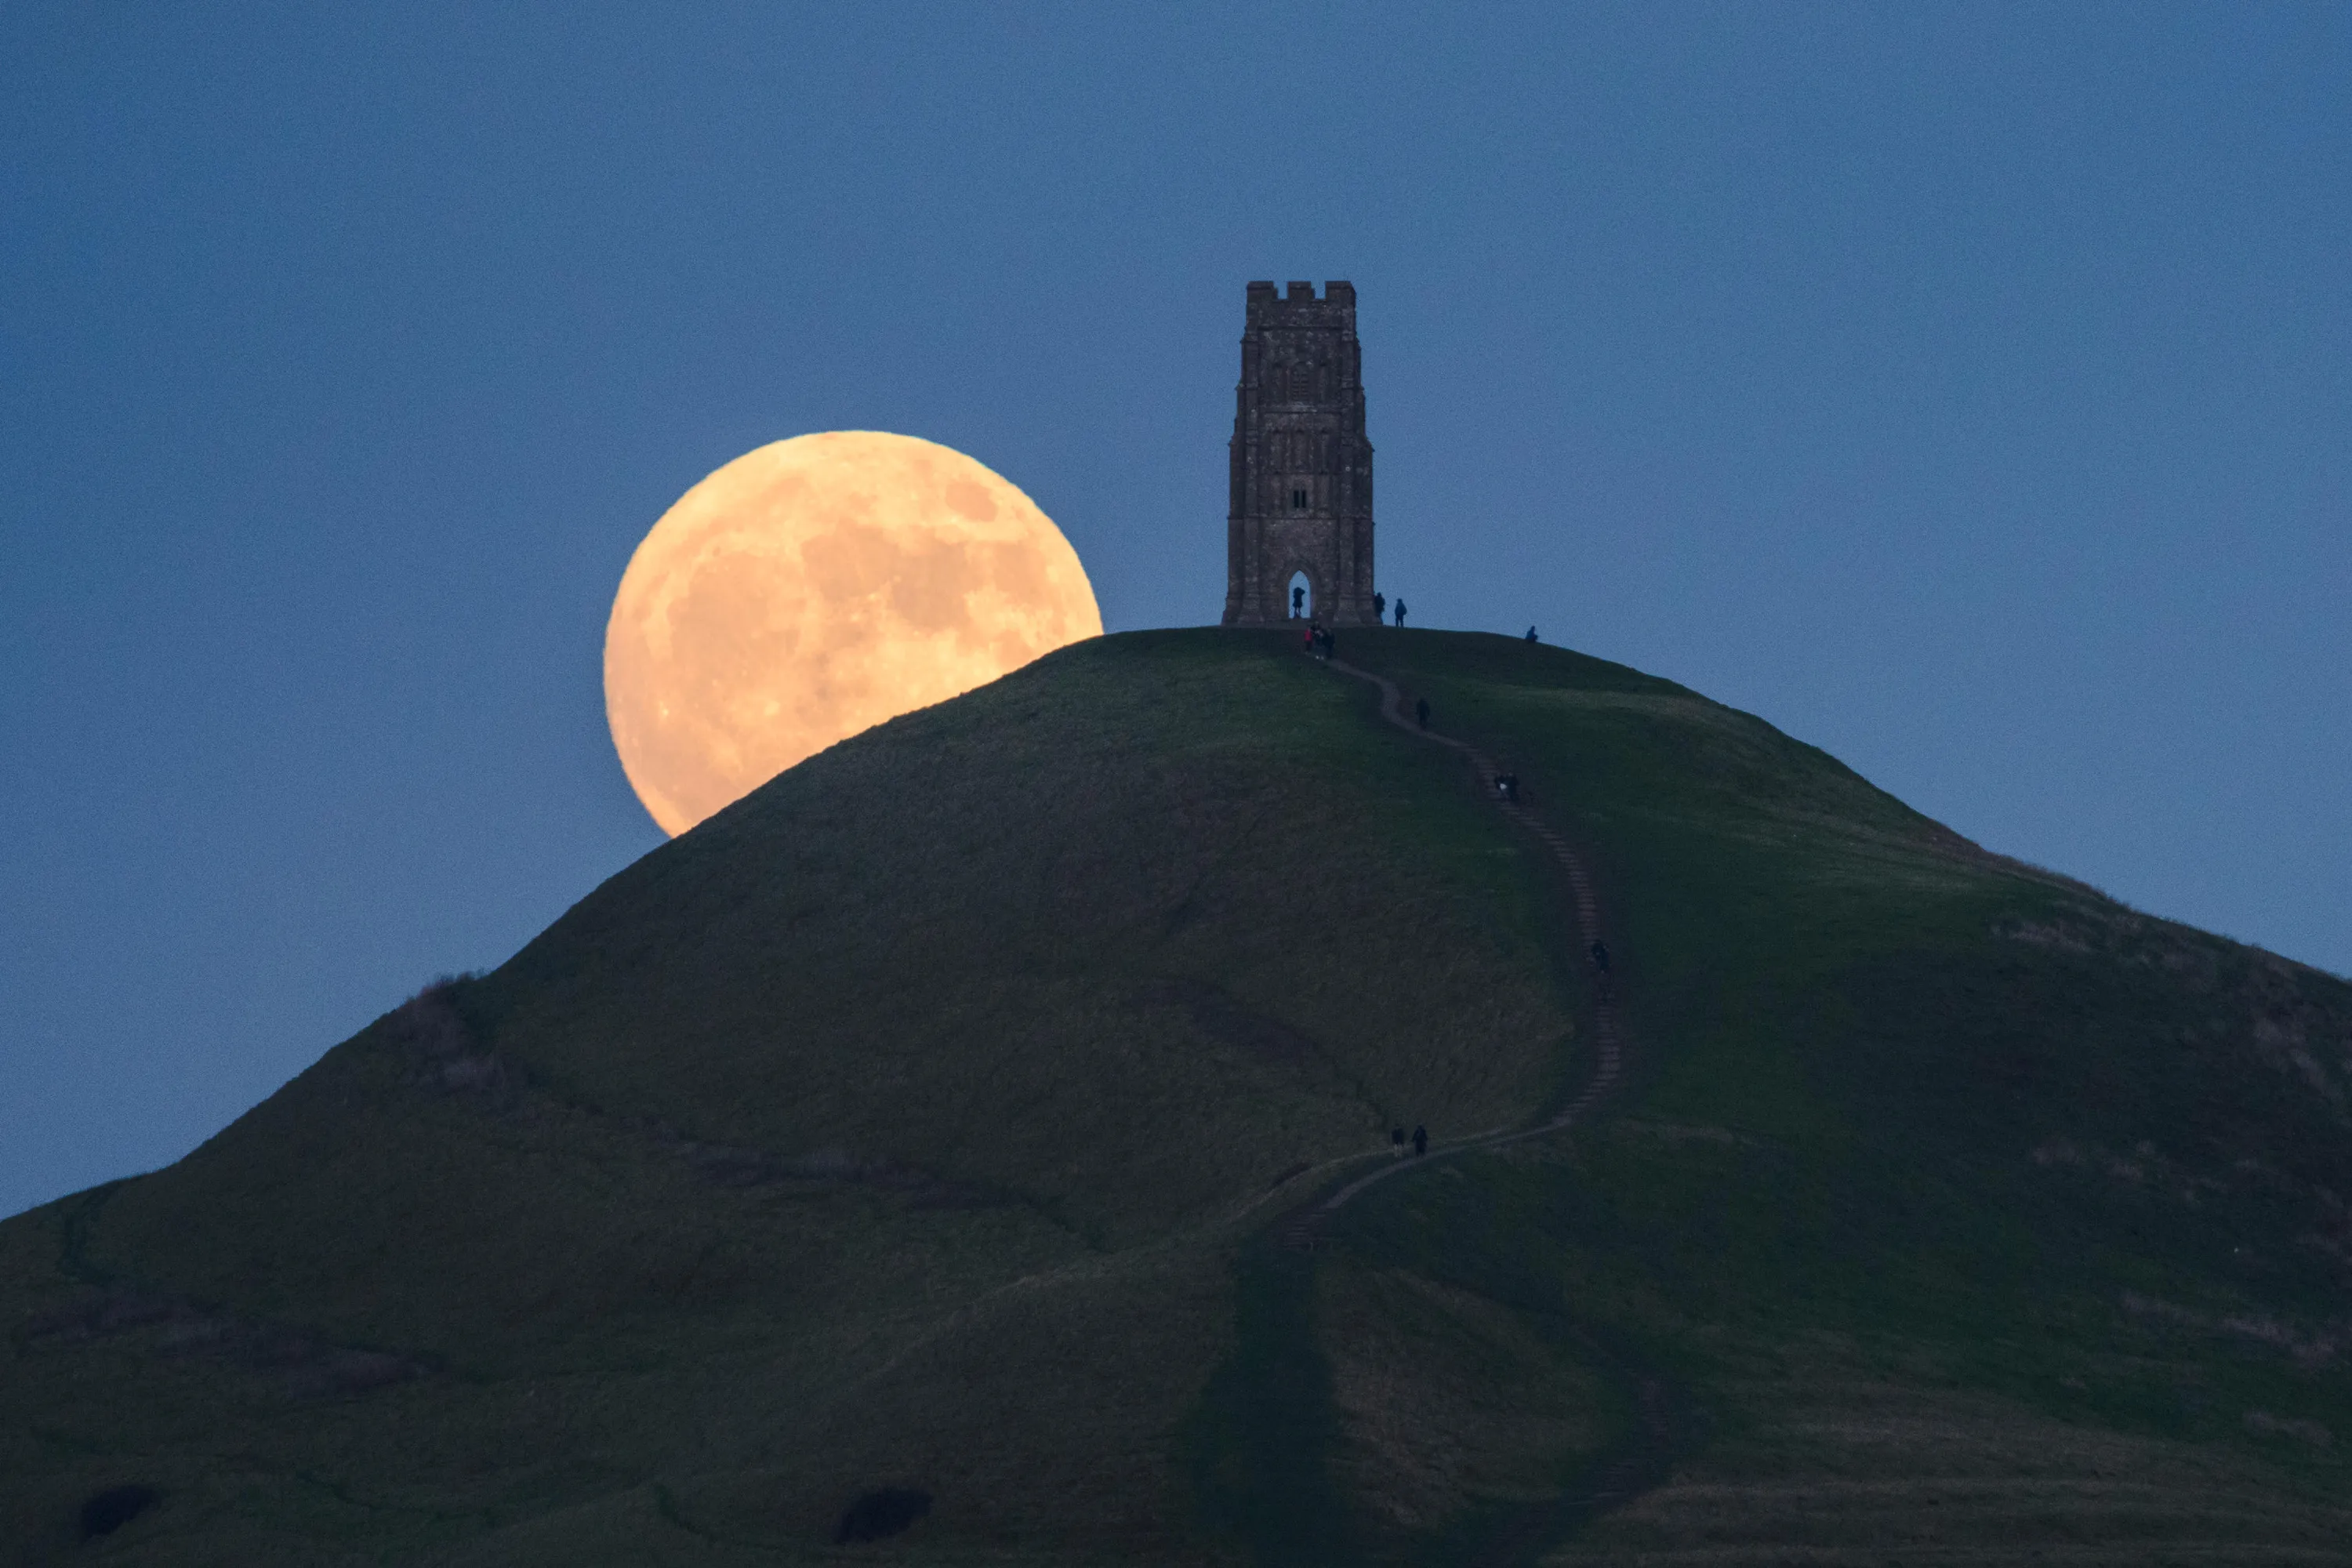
{"points": [[1966, 390]]}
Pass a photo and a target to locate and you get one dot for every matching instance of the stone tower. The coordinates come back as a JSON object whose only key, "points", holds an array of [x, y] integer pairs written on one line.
{"points": [[1302, 471]]}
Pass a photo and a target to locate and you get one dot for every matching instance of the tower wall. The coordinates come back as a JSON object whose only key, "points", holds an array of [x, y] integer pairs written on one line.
{"points": [[1301, 468]]}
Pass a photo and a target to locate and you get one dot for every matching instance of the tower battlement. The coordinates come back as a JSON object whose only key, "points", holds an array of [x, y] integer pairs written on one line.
{"points": [[1301, 467], [1266, 303]]}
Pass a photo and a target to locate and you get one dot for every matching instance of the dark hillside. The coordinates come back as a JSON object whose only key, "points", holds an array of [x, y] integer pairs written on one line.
{"points": [[902, 1155], [1923, 1121], [910, 1101]]}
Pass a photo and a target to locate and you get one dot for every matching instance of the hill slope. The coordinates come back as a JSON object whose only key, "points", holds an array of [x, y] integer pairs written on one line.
{"points": [[925, 1125]]}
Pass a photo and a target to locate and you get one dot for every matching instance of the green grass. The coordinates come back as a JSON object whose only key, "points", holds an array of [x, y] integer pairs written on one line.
{"points": [[922, 1119]]}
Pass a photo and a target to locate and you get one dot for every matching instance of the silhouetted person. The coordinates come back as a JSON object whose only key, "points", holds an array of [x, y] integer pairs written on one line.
{"points": [[1420, 709], [1421, 1140], [1380, 607], [1400, 612], [1531, 634], [1297, 602], [1307, 640], [1601, 956], [1331, 642], [1396, 1138]]}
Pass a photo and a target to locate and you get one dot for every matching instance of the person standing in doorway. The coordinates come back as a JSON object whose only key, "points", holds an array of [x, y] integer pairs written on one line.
{"points": [[1297, 602]]}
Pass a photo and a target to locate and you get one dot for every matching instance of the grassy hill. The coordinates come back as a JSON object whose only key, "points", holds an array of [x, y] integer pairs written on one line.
{"points": [[922, 1127]]}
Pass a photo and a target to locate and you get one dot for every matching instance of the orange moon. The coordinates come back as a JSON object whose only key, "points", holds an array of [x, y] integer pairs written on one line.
{"points": [[811, 589]]}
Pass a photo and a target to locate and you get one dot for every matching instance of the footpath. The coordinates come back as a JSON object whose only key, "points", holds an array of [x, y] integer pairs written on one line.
{"points": [[1639, 1462]]}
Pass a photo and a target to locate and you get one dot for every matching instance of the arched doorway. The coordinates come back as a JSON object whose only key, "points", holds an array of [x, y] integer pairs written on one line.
{"points": [[1299, 596]]}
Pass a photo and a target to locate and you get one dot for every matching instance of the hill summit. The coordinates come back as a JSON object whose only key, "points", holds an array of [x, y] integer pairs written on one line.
{"points": [[958, 1150]]}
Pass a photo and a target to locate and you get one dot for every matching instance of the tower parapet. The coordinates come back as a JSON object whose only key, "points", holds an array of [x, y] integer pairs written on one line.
{"points": [[1301, 467]]}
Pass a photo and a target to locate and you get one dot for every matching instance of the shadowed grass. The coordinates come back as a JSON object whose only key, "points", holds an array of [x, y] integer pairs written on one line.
{"points": [[917, 1123]]}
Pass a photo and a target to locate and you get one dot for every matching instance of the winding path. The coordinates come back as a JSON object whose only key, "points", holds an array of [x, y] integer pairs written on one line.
{"points": [[1642, 1460], [1608, 1065]]}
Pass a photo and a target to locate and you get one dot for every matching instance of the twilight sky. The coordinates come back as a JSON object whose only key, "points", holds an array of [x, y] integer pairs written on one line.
{"points": [[1966, 390]]}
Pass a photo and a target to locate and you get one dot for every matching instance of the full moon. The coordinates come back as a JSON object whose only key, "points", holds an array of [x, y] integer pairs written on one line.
{"points": [[811, 589]]}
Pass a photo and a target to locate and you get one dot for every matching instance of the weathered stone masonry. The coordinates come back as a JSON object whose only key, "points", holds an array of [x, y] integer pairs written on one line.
{"points": [[1302, 470]]}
